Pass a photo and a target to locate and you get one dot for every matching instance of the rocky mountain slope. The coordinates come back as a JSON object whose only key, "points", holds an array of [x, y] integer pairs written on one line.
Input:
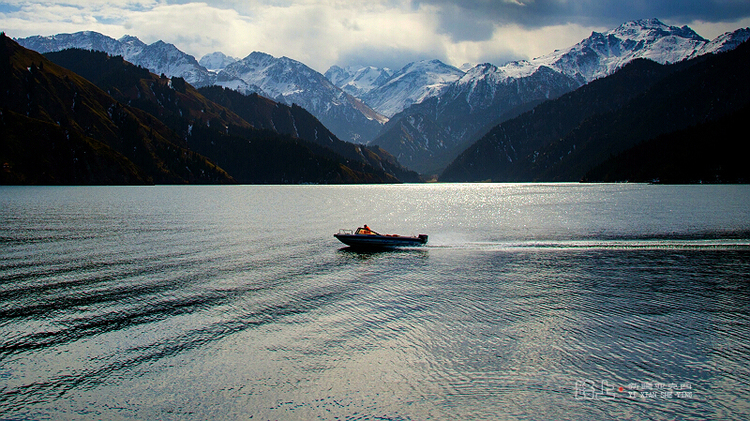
{"points": [[58, 128], [201, 116], [281, 79], [562, 140], [159, 57], [682, 157], [127, 125], [290, 82], [263, 113], [487, 95], [410, 85], [358, 80]]}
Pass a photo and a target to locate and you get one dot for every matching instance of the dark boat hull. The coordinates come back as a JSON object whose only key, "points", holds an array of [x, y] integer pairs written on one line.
{"points": [[381, 241]]}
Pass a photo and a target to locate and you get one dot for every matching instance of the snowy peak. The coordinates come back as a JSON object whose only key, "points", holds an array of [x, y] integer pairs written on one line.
{"points": [[484, 71], [487, 93], [86, 40], [279, 78], [602, 54], [290, 82], [725, 42], [132, 41], [411, 85], [216, 61], [338, 75], [258, 57], [389, 93], [358, 80], [159, 57], [427, 72], [165, 58], [652, 30]]}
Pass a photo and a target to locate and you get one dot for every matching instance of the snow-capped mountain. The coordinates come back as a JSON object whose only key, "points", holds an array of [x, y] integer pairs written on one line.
{"points": [[86, 40], [602, 54], [597, 56], [358, 80], [389, 93], [159, 57], [466, 108], [412, 84], [486, 94], [676, 123], [725, 42], [453, 105], [281, 79], [291, 82], [467, 66], [216, 61]]}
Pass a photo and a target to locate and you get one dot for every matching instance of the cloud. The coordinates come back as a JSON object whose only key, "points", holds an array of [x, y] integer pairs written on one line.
{"points": [[711, 30], [315, 33], [540, 13], [387, 33], [515, 42], [24, 18]]}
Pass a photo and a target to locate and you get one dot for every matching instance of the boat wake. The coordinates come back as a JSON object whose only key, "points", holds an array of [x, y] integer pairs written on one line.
{"points": [[598, 244]]}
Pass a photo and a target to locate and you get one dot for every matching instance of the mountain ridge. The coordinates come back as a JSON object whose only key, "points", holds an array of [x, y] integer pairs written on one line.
{"points": [[444, 118], [188, 111], [487, 92], [562, 140], [358, 80], [412, 84], [82, 134], [159, 57], [156, 130], [291, 82]]}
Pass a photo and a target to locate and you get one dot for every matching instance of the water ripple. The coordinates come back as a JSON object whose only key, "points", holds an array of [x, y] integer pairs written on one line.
{"points": [[173, 312]]}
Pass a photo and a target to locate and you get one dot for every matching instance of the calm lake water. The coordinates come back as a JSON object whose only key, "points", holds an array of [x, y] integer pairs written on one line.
{"points": [[530, 302]]}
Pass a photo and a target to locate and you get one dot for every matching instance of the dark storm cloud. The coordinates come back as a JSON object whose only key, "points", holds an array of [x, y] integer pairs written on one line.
{"points": [[474, 19]]}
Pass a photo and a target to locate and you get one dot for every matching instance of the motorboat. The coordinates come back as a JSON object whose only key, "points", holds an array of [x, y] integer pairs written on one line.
{"points": [[367, 238]]}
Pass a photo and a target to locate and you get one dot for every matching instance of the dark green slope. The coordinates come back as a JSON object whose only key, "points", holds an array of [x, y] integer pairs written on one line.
{"points": [[562, 140], [50, 114], [297, 122], [38, 152], [508, 151], [252, 138], [713, 152]]}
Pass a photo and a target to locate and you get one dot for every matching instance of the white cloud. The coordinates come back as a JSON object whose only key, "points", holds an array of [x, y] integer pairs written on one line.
{"points": [[314, 33], [318, 33], [712, 30], [514, 42]]}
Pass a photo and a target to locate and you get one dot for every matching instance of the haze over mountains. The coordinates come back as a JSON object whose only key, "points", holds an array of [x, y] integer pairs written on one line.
{"points": [[426, 113]]}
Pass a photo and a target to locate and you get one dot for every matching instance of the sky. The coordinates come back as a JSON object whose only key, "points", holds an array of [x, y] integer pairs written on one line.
{"points": [[382, 33]]}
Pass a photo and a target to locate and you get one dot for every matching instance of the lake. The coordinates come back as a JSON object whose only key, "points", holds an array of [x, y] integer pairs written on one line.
{"points": [[530, 302]]}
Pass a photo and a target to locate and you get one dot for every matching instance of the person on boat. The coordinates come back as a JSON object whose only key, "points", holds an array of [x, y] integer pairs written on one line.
{"points": [[365, 230]]}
